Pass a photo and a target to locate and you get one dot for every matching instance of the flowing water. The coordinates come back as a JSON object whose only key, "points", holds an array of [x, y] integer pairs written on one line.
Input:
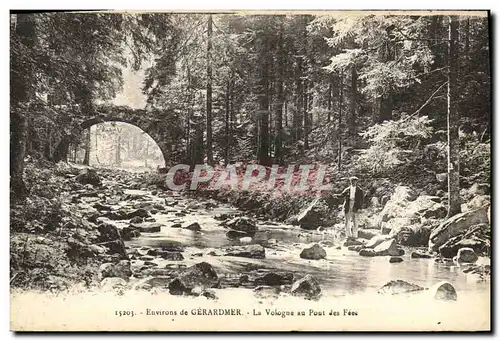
{"points": [[342, 272]]}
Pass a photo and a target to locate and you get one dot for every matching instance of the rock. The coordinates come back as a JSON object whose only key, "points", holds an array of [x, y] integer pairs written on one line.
{"points": [[140, 212], [444, 291], [267, 292], [367, 253], [314, 252], [176, 225], [451, 247], [121, 270], [306, 286], [251, 251], [475, 203], [148, 263], [368, 233], [156, 282], [387, 248], [146, 258], [455, 225], [376, 241], [242, 224], [107, 232], [355, 248], [198, 275], [209, 294], [419, 254], [112, 283], [245, 240], [415, 235], [147, 227], [351, 242], [101, 207], [273, 278], [174, 256], [399, 287], [232, 234], [88, 176], [136, 220], [436, 212], [193, 227], [309, 218], [115, 247], [395, 260], [466, 255], [479, 189], [129, 232]]}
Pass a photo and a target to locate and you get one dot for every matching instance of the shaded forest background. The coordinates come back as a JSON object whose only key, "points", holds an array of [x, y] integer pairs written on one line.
{"points": [[369, 94]]}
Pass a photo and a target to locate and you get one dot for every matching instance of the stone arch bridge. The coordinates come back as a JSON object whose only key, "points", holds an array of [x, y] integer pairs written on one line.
{"points": [[141, 118]]}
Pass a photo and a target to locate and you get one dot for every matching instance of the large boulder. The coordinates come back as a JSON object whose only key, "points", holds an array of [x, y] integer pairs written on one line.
{"points": [[368, 233], [314, 252], [248, 251], [444, 291], [376, 241], [199, 275], [242, 224], [456, 225], [88, 176], [108, 232], [129, 232], [121, 270], [306, 286], [147, 227], [273, 278], [399, 287], [413, 235], [310, 217], [387, 248], [466, 255]]}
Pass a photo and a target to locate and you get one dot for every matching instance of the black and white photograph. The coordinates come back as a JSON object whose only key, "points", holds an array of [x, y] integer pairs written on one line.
{"points": [[250, 170]]}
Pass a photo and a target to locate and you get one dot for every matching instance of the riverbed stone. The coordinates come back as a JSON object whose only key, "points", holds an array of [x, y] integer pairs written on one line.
{"points": [[198, 275], [444, 291], [352, 242], [420, 254], [376, 241], [399, 287], [466, 255], [395, 259], [193, 227], [243, 224], [121, 270], [368, 233], [129, 232], [367, 253], [108, 232], [355, 248], [249, 251], [387, 248], [306, 286], [314, 252], [273, 278], [112, 283], [147, 227], [456, 225], [140, 212]]}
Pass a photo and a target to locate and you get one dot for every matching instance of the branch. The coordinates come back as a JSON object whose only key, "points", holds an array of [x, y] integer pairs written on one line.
{"points": [[426, 102]]}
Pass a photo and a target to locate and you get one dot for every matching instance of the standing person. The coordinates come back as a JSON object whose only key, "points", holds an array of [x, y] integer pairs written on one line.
{"points": [[353, 201]]}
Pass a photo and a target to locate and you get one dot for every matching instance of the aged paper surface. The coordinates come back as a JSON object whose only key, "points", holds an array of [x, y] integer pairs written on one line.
{"points": [[260, 278]]}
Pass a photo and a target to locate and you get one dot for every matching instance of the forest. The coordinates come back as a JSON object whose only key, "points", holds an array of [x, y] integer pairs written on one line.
{"points": [[402, 102]]}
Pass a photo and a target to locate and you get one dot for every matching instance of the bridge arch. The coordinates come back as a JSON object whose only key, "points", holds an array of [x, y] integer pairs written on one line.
{"points": [[137, 117]]}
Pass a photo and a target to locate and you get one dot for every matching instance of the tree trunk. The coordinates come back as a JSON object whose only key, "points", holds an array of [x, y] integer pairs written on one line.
{"points": [[263, 98], [340, 128], [330, 98], [280, 99], [21, 80], [296, 121], [227, 130], [453, 121], [86, 159], [306, 115], [118, 158], [352, 108], [209, 92]]}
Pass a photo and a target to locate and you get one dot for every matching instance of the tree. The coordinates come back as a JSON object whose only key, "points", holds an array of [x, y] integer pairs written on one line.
{"points": [[453, 121], [209, 92]]}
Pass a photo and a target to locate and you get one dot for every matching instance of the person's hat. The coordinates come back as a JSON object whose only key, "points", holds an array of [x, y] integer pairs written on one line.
{"points": [[353, 178]]}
